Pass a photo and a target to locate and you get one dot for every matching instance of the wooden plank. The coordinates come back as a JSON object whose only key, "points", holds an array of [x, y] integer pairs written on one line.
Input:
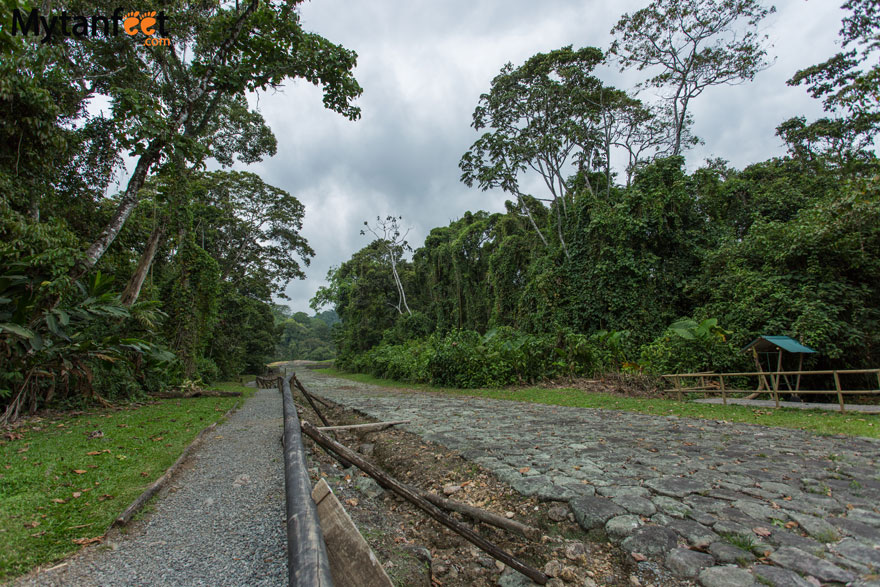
{"points": [[370, 427], [839, 395], [352, 561]]}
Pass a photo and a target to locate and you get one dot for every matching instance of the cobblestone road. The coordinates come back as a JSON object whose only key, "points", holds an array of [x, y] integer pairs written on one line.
{"points": [[726, 504]]}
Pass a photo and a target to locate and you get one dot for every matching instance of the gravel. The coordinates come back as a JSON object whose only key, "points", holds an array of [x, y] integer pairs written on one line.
{"points": [[219, 522]]}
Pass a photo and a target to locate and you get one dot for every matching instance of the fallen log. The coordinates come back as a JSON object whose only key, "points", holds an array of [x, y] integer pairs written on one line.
{"points": [[412, 495], [484, 516], [370, 427], [299, 386]]}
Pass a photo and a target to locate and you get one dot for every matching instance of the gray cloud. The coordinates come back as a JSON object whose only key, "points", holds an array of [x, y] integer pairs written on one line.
{"points": [[423, 66]]}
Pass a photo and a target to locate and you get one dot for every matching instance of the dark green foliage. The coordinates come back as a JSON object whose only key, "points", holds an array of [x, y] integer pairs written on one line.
{"points": [[304, 337], [464, 358]]}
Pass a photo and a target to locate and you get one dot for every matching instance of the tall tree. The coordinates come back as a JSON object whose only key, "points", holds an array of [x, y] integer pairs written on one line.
{"points": [[543, 117], [219, 51], [848, 84], [694, 44], [387, 233]]}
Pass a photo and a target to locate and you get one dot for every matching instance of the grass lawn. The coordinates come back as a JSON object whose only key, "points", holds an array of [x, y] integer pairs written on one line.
{"points": [[64, 478], [819, 421]]}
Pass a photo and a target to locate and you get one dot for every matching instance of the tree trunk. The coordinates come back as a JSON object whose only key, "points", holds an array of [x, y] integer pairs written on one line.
{"points": [[123, 211], [133, 288]]}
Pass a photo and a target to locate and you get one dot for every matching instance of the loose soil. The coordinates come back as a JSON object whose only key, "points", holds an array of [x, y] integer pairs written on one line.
{"points": [[418, 551]]}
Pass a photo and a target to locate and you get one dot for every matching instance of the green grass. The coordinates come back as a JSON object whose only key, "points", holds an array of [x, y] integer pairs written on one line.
{"points": [[52, 491], [819, 421]]}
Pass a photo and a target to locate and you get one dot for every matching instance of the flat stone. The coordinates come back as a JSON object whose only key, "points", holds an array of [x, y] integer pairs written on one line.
{"points": [[592, 511], [726, 577], [619, 527], [676, 486], [779, 577], [865, 517], [687, 563], [671, 507], [695, 533], [613, 491], [858, 529], [369, 487], [816, 527], [797, 560], [653, 541], [780, 537], [512, 578], [730, 554], [757, 510], [858, 552], [726, 528], [636, 505]]}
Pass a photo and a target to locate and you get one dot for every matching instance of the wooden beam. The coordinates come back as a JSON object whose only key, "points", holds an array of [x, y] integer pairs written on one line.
{"points": [[352, 561], [370, 427], [482, 515], [307, 563], [411, 495]]}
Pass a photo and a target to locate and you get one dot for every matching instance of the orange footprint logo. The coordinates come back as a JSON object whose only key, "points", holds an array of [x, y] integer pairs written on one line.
{"points": [[131, 22], [148, 21]]}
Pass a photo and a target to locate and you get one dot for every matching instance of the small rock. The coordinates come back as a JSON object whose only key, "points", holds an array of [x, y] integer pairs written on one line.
{"points": [[570, 575], [553, 568], [451, 488], [726, 577], [439, 569], [558, 512], [633, 580], [511, 578], [575, 550], [554, 582], [509, 515], [589, 583], [367, 449], [369, 487]]}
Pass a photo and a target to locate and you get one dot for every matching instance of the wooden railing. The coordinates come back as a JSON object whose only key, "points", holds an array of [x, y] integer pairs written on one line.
{"points": [[769, 382], [307, 562]]}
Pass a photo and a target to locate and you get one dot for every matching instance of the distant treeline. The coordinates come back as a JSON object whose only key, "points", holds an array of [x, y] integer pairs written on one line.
{"points": [[304, 337]]}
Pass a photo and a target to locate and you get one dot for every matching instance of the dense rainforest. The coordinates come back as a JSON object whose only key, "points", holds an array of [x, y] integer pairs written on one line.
{"points": [[108, 295], [612, 254]]}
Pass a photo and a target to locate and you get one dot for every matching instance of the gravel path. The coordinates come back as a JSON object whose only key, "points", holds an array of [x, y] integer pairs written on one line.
{"points": [[218, 523], [724, 503]]}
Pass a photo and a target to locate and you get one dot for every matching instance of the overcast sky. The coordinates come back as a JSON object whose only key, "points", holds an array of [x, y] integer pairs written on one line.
{"points": [[423, 66]]}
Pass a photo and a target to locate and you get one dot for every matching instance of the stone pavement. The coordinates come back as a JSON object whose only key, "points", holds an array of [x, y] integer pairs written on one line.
{"points": [[706, 498]]}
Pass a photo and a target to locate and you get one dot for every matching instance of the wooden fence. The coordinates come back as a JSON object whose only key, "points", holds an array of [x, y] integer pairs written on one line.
{"points": [[769, 382], [307, 561]]}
